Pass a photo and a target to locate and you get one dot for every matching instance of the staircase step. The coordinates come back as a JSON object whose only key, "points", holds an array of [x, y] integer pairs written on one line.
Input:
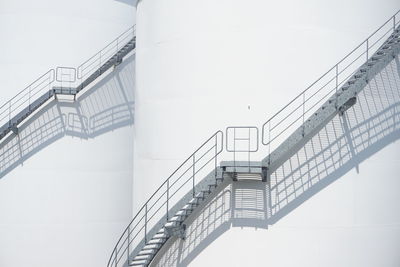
{"points": [[182, 212], [212, 185], [143, 257], [375, 58], [160, 235], [151, 246], [139, 263], [199, 197], [179, 216], [175, 219], [193, 202], [156, 241], [172, 224], [147, 252], [188, 207]]}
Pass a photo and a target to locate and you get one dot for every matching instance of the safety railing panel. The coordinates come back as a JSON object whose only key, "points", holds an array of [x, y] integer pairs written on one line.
{"points": [[296, 112], [26, 98], [96, 61], [157, 208], [241, 142], [62, 80]]}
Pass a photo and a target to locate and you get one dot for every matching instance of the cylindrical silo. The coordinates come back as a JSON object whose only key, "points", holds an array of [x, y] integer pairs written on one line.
{"points": [[206, 65], [66, 177]]}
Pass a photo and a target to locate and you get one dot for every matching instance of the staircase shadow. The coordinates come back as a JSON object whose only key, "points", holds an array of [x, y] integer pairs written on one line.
{"points": [[345, 142], [106, 106]]}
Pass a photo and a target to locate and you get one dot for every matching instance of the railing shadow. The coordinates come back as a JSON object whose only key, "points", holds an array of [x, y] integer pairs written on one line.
{"points": [[368, 127], [128, 2], [106, 106]]}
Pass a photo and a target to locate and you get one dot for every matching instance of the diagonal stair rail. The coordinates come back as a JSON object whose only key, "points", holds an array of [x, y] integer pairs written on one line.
{"points": [[162, 217], [109, 56], [167, 200], [298, 113], [63, 80]]}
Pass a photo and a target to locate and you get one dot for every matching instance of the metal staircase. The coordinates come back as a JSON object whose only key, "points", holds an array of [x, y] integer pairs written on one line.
{"points": [[63, 81], [164, 214]]}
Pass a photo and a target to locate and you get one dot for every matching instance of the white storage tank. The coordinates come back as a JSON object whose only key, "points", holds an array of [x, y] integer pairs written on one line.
{"points": [[206, 65], [66, 178]]}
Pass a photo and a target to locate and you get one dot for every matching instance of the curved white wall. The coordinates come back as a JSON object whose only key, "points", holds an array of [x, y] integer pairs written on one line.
{"points": [[205, 65], [66, 180]]}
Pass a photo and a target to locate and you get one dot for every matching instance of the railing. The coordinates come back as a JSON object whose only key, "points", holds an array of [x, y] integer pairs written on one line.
{"points": [[96, 61], [156, 211], [60, 81], [242, 141], [296, 112], [157, 208], [24, 99]]}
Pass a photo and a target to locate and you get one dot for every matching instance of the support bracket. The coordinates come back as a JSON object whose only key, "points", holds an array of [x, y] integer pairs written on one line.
{"points": [[179, 231], [348, 104], [14, 129]]}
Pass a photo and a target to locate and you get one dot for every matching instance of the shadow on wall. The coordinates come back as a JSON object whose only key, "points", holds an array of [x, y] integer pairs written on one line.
{"points": [[366, 128], [106, 106], [128, 2]]}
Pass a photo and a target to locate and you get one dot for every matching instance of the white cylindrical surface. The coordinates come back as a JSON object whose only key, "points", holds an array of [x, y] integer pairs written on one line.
{"points": [[66, 179], [206, 65]]}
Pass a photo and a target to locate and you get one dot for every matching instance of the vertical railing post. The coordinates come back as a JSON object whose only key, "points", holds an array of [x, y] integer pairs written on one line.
{"points": [[9, 114], [194, 172], [269, 143], [367, 42], [394, 23], [249, 148], [100, 63], [216, 153], [116, 52], [145, 224], [30, 89], [337, 85], [234, 149], [167, 198], [304, 111], [129, 243]]}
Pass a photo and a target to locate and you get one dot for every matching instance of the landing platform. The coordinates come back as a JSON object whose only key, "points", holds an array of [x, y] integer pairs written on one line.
{"points": [[245, 170]]}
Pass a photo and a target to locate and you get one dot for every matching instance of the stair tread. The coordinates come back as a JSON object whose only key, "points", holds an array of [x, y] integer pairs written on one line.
{"points": [[142, 257], [139, 262], [147, 251]]}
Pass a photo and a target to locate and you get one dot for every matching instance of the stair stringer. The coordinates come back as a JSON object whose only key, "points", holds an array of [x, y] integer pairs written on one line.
{"points": [[331, 107], [113, 61]]}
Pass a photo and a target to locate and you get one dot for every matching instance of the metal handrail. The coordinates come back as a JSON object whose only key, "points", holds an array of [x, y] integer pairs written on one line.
{"points": [[216, 141], [24, 98], [106, 53], [45, 83], [295, 112], [122, 247]]}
